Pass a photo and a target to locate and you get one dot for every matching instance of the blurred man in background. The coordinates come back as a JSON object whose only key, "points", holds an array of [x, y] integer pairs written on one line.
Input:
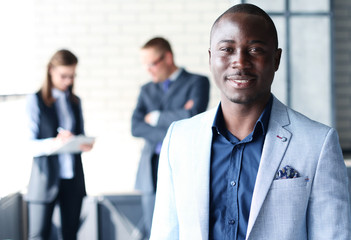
{"points": [[173, 94]]}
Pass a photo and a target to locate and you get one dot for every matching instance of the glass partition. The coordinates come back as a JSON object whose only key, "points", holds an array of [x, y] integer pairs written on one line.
{"points": [[304, 80], [310, 66], [311, 6]]}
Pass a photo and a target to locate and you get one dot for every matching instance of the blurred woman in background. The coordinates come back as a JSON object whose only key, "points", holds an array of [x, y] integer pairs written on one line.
{"points": [[55, 115]]}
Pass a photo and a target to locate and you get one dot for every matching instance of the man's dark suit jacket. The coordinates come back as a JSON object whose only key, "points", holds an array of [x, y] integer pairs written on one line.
{"points": [[171, 105]]}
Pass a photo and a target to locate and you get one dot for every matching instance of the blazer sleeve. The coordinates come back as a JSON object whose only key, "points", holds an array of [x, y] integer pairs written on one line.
{"points": [[140, 128], [199, 93], [36, 147], [328, 214], [165, 220]]}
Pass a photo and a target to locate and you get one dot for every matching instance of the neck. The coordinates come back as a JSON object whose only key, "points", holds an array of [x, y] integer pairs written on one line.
{"points": [[240, 119], [172, 70]]}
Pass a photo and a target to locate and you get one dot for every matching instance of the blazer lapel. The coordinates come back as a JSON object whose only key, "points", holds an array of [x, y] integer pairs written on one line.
{"points": [[276, 143], [176, 84], [172, 91], [201, 177]]}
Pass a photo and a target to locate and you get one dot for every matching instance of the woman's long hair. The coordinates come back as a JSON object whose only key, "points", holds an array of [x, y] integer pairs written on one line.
{"points": [[62, 57]]}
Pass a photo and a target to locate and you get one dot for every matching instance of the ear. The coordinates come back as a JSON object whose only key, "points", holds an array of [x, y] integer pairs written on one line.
{"points": [[277, 56], [209, 57], [169, 58]]}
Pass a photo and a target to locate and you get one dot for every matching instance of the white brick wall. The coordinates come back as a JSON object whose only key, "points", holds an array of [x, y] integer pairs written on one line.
{"points": [[106, 35]]}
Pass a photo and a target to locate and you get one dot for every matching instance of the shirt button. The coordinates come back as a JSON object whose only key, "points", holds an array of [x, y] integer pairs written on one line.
{"points": [[231, 222], [232, 183]]}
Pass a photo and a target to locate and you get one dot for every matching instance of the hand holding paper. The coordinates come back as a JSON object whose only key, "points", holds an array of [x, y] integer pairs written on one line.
{"points": [[85, 147], [66, 142], [63, 135]]}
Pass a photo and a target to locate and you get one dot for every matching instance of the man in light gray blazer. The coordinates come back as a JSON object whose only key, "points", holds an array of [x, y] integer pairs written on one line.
{"points": [[173, 94], [252, 168]]}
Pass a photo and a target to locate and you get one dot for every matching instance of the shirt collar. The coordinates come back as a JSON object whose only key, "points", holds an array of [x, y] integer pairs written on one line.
{"points": [[56, 93], [265, 116], [175, 74], [261, 125]]}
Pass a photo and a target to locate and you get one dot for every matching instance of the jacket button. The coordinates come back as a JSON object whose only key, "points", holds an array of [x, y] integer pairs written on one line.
{"points": [[231, 222]]}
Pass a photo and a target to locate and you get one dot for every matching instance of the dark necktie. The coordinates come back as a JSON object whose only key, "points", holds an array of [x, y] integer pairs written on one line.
{"points": [[166, 84]]}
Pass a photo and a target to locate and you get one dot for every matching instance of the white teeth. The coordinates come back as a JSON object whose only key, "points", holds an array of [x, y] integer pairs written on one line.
{"points": [[241, 81]]}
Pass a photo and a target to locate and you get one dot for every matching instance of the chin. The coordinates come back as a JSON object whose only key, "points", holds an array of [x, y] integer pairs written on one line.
{"points": [[239, 99], [247, 99]]}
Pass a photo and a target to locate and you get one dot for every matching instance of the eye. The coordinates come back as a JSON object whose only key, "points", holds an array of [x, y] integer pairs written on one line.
{"points": [[226, 49], [256, 50]]}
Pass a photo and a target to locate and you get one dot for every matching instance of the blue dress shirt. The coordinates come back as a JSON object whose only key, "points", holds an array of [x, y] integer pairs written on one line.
{"points": [[233, 171]]}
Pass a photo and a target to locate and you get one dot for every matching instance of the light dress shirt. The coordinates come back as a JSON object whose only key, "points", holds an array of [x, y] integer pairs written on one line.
{"points": [[66, 121]]}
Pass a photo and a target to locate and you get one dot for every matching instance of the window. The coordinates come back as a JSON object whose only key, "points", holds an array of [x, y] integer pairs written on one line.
{"points": [[304, 80]]}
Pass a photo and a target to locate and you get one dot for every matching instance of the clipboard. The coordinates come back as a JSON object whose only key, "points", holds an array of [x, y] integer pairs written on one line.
{"points": [[73, 145]]}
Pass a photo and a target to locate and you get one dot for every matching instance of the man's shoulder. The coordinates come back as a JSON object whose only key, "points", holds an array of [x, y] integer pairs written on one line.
{"points": [[196, 127], [296, 119], [192, 75], [148, 86], [204, 118]]}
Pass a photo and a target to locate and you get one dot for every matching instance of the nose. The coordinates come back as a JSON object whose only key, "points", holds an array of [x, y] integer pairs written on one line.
{"points": [[150, 71], [240, 59], [68, 81]]}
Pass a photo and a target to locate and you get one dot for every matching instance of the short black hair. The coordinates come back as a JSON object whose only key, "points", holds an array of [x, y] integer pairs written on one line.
{"points": [[158, 43], [250, 9]]}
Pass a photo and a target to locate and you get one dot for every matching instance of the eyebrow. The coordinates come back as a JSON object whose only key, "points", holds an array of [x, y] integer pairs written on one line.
{"points": [[258, 41], [226, 41], [250, 42]]}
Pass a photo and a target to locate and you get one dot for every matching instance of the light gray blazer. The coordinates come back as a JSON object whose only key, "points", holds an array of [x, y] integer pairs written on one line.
{"points": [[313, 206]]}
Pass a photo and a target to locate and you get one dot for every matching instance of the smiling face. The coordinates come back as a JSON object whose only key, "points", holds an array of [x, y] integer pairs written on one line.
{"points": [[243, 58]]}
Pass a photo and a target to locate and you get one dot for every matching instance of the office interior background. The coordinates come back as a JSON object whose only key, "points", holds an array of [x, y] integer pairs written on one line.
{"points": [[106, 35]]}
